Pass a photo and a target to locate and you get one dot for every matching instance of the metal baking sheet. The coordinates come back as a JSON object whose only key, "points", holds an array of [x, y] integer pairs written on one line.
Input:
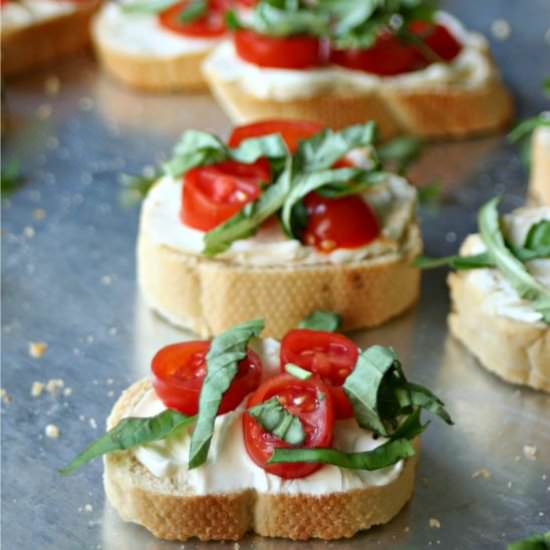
{"points": [[68, 280]]}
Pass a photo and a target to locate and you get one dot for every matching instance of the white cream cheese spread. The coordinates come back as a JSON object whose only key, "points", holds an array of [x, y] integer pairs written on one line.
{"points": [[142, 34], [23, 13], [393, 201], [471, 68], [500, 298], [229, 469]]}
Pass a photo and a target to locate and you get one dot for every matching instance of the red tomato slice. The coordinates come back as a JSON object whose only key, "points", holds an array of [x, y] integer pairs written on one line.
{"points": [[390, 56], [346, 222], [437, 38], [311, 401], [289, 52], [292, 131], [210, 25], [179, 371], [213, 194], [330, 356]]}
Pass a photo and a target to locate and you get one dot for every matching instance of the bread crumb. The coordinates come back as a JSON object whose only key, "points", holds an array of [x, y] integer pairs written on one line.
{"points": [[28, 232], [67, 392], [38, 214], [5, 396], [501, 29], [37, 349], [54, 385], [110, 393], [44, 111], [52, 85], [82, 418], [93, 423], [110, 381], [482, 472], [37, 389], [88, 508], [530, 452], [435, 523], [52, 431], [407, 529]]}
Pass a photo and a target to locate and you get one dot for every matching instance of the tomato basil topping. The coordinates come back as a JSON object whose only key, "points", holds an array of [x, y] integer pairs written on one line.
{"points": [[288, 421], [308, 400], [179, 371], [200, 19], [330, 356]]}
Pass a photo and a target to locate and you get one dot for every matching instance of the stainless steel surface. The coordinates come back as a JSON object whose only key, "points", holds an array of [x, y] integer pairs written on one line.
{"points": [[69, 281]]}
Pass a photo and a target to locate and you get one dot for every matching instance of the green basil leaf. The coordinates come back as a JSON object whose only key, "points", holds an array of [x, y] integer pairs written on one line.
{"points": [[193, 11], [525, 128], [322, 320], [297, 372], [429, 195], [250, 150], [364, 181], [546, 86], [418, 397], [401, 151], [536, 542], [323, 149], [511, 268], [11, 178], [136, 188], [276, 420], [538, 237], [147, 6], [232, 21], [130, 433], [246, 222], [226, 350], [387, 454]]}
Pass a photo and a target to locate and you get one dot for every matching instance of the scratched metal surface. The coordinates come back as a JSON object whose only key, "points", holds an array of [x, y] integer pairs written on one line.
{"points": [[68, 280]]}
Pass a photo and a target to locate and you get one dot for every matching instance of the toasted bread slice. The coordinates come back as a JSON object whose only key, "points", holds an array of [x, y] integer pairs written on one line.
{"points": [[167, 509], [30, 46], [539, 184]]}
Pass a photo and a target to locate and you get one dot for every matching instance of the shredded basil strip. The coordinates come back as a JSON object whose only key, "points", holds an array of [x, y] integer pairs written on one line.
{"points": [[535, 542], [322, 320], [401, 151], [11, 178], [130, 433], [511, 268], [193, 11], [226, 350], [275, 419], [525, 128], [297, 372], [147, 6]]}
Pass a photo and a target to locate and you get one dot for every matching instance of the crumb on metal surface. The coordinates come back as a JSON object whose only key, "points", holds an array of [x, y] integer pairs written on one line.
{"points": [[501, 29], [37, 389], [54, 385], [38, 214], [93, 423], [67, 392], [44, 111], [482, 472], [29, 232], [52, 431], [5, 396], [88, 508], [530, 452], [435, 523], [37, 349]]}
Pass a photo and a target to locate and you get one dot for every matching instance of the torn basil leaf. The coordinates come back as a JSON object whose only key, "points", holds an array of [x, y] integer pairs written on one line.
{"points": [[297, 372], [11, 178], [322, 320], [538, 237], [130, 433], [226, 350], [193, 11], [276, 420]]}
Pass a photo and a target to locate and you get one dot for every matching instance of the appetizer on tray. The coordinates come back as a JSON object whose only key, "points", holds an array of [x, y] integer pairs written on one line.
{"points": [[159, 46], [307, 438], [35, 32], [284, 218], [500, 294], [405, 65]]}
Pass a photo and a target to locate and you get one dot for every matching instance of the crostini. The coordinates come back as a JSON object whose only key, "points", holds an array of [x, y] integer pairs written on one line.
{"points": [[410, 68], [284, 218], [35, 32], [539, 184], [159, 46], [500, 294], [308, 438]]}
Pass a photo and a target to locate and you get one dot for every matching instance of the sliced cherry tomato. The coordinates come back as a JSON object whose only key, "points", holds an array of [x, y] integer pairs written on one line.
{"points": [[213, 194], [179, 371], [292, 131], [330, 356], [310, 400], [289, 52], [247, 3], [210, 25], [437, 38], [346, 222], [390, 56]]}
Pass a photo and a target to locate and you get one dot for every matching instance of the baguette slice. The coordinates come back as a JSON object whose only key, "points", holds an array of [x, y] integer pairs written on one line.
{"points": [[151, 71], [539, 184], [28, 47], [209, 296], [169, 511]]}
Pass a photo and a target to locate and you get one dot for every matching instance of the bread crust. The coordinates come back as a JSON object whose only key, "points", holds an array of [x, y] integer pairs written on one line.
{"points": [[539, 184], [442, 112], [152, 73], [515, 351], [171, 513], [209, 296], [37, 44]]}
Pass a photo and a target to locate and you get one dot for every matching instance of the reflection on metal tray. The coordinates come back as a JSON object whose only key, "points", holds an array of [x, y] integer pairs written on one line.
{"points": [[68, 280]]}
